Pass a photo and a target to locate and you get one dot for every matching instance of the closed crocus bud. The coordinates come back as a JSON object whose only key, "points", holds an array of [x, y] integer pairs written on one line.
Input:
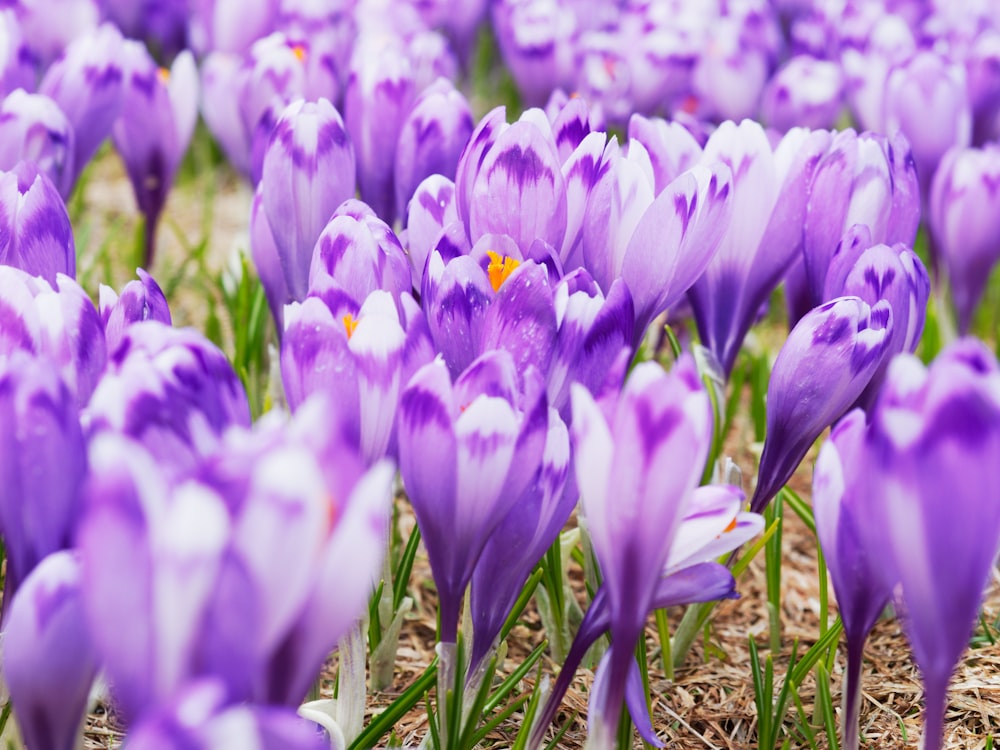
{"points": [[825, 364], [359, 253], [59, 322], [509, 181], [928, 83], [843, 502], [362, 358], [17, 68], [730, 73], [805, 92], [308, 172], [930, 457], [430, 211], [42, 464], [536, 41], [229, 25], [140, 300], [170, 389], [431, 140], [34, 129], [87, 83], [50, 26], [267, 260], [380, 92], [965, 224], [35, 233], [467, 450], [160, 110], [201, 717], [48, 659]]}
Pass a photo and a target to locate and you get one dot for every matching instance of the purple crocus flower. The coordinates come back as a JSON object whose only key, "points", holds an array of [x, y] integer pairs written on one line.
{"points": [[170, 389], [42, 464], [160, 110], [769, 203], [467, 451], [671, 147], [140, 300], [87, 83], [929, 458], [510, 181], [964, 221], [844, 501], [805, 92], [361, 357], [267, 260], [430, 211], [431, 139], [308, 173], [17, 65], [34, 129], [661, 419], [49, 661], [731, 71], [58, 322], [825, 364], [519, 541], [926, 83], [359, 253], [229, 25], [200, 718], [49, 27], [35, 233]]}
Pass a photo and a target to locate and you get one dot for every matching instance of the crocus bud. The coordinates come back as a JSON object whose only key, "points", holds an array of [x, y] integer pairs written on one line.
{"points": [[431, 140], [430, 211], [35, 233], [87, 84], [34, 129], [17, 68], [825, 364], [229, 25], [42, 464], [140, 300], [267, 260], [50, 27], [805, 92], [308, 172], [965, 224], [160, 111], [48, 659], [536, 41]]}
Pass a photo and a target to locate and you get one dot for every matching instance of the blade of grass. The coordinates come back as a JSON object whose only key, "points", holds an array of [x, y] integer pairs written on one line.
{"points": [[402, 574], [384, 722]]}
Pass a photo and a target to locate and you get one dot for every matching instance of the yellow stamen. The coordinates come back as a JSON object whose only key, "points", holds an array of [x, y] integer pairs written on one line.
{"points": [[299, 51], [500, 268], [163, 74], [350, 325]]}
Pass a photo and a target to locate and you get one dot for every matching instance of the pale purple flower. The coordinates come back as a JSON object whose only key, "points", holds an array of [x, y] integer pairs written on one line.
{"points": [[140, 300], [308, 172], [804, 92], [964, 222], [536, 41], [49, 26], [35, 233], [34, 129], [430, 211], [49, 661], [229, 25], [17, 64]]}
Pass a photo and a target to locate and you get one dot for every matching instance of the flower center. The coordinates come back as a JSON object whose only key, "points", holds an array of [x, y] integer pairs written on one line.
{"points": [[500, 268], [350, 325]]}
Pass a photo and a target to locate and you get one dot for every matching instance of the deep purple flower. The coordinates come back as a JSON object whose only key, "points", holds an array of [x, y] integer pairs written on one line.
{"points": [[171, 390], [35, 233], [825, 364], [769, 203], [34, 129], [361, 357], [58, 322], [467, 450], [844, 503], [308, 173], [160, 108], [42, 464], [359, 253], [140, 300], [200, 718], [964, 221], [87, 83], [431, 139], [49, 661]]}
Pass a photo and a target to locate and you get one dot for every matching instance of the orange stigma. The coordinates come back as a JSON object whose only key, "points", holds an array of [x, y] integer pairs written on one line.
{"points": [[350, 325], [731, 526], [163, 74], [500, 268], [299, 51]]}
